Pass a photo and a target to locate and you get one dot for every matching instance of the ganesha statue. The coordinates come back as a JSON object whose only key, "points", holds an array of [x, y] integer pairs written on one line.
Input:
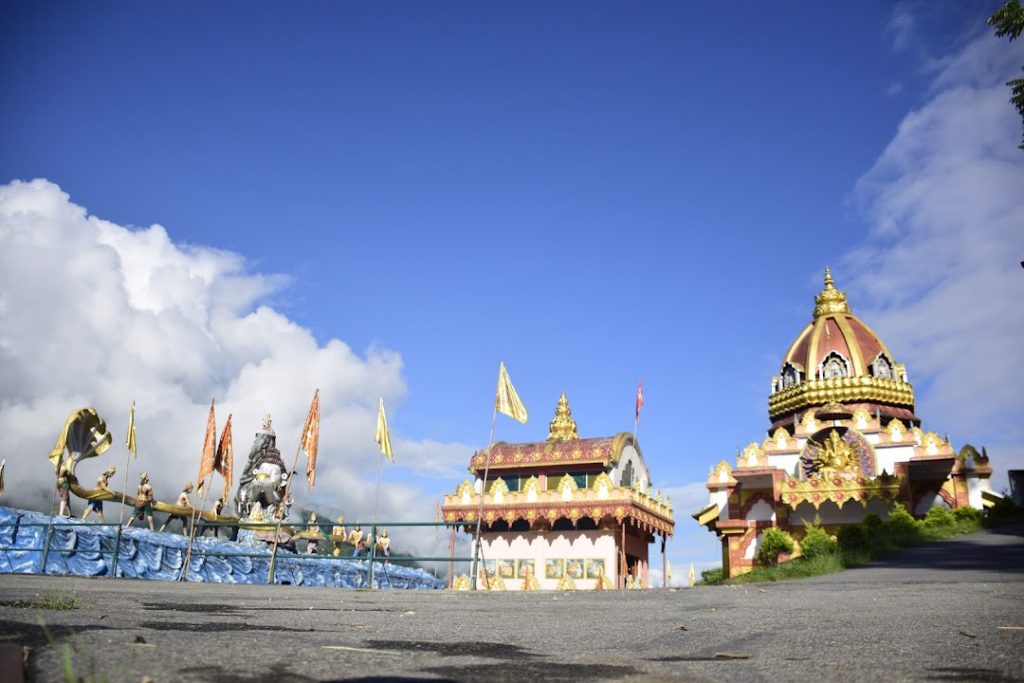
{"points": [[264, 480]]}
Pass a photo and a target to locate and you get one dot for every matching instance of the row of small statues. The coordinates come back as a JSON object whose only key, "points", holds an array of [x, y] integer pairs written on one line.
{"points": [[360, 542]]}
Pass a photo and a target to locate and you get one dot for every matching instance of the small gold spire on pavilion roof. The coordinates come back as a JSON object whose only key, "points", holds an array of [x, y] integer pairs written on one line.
{"points": [[830, 300], [563, 427]]}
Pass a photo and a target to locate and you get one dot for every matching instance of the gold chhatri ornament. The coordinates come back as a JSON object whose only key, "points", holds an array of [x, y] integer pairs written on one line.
{"points": [[830, 300], [563, 427]]}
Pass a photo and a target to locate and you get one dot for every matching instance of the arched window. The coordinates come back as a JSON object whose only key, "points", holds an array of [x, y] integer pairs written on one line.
{"points": [[834, 365], [882, 367], [790, 376]]}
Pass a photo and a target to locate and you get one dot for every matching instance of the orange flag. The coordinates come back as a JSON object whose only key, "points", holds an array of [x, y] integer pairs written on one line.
{"points": [[311, 439], [224, 460], [209, 447]]}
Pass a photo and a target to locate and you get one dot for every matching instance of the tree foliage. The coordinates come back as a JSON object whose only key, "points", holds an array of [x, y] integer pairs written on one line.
{"points": [[1009, 21]]}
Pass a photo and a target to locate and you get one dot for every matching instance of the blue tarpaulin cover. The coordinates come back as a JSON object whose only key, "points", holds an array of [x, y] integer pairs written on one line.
{"points": [[77, 550]]}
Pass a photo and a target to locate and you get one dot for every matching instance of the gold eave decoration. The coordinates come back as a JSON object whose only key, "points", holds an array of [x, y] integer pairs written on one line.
{"points": [[620, 503], [839, 490], [841, 390]]}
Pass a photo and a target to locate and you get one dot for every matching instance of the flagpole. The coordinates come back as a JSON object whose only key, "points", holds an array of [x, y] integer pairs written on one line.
{"points": [[183, 576], [373, 527], [124, 497], [477, 551], [280, 519], [200, 481]]}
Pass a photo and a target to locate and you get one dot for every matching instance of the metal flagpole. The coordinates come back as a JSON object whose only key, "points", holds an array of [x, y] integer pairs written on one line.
{"points": [[183, 575], [370, 551], [120, 519], [280, 519], [477, 550]]}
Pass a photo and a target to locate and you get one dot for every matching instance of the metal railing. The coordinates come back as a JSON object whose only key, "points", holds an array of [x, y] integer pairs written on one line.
{"points": [[370, 557]]}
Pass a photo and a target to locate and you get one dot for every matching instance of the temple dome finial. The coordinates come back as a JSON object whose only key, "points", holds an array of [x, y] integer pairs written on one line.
{"points": [[830, 300], [563, 427]]}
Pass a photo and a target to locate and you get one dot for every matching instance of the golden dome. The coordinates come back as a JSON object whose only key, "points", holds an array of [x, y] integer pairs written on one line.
{"points": [[837, 358]]}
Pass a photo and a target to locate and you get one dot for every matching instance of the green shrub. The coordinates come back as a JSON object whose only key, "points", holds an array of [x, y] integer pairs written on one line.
{"points": [[852, 537], [773, 543], [939, 516], [817, 542], [967, 514], [712, 576], [903, 530], [873, 523]]}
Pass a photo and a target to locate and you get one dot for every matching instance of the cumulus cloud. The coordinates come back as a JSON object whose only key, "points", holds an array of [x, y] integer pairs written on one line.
{"points": [[97, 314], [939, 274]]}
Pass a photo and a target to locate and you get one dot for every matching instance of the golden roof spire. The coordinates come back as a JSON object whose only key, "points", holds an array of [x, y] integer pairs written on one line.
{"points": [[830, 300], [563, 427]]}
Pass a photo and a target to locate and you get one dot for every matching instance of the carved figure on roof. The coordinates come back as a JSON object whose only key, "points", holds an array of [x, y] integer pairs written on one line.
{"points": [[264, 478]]}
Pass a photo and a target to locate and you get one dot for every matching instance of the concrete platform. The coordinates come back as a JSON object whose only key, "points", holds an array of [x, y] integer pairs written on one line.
{"points": [[950, 611]]}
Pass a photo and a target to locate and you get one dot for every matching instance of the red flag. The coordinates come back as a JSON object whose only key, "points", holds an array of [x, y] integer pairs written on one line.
{"points": [[639, 399], [311, 438], [224, 460], [209, 447]]}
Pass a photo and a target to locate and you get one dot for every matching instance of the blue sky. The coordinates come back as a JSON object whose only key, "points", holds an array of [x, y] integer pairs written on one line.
{"points": [[592, 192]]}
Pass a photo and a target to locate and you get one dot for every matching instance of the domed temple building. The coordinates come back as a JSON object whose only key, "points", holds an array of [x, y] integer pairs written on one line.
{"points": [[844, 443], [565, 513]]}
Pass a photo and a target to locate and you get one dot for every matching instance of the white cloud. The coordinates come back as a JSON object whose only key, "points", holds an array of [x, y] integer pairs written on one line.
{"points": [[939, 275], [901, 27], [92, 313]]}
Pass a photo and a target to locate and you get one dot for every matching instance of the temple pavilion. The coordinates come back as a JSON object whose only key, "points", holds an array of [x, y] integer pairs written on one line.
{"points": [[565, 513], [844, 443]]}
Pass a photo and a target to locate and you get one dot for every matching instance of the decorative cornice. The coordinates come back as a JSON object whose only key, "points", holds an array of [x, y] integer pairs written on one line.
{"points": [[837, 489], [818, 392], [620, 503]]}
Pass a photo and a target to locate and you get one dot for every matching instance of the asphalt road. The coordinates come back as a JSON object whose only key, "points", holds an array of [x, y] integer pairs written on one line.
{"points": [[951, 611]]}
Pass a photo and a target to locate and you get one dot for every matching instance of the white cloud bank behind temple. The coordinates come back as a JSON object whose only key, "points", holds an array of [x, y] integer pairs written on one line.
{"points": [[95, 314], [939, 276]]}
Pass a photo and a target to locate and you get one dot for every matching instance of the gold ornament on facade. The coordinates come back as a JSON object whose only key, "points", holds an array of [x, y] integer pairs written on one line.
{"points": [[836, 457], [563, 427]]}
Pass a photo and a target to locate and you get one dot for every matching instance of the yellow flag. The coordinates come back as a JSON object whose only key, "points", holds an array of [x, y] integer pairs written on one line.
{"points": [[383, 437], [130, 439], [507, 401], [693, 576]]}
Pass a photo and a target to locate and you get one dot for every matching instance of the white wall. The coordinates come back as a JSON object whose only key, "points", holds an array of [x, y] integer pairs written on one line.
{"points": [[572, 545]]}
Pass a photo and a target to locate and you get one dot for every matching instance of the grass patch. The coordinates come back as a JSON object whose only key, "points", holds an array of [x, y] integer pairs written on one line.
{"points": [[860, 544], [53, 600]]}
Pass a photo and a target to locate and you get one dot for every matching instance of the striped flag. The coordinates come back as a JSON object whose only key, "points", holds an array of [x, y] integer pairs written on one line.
{"points": [[223, 461], [209, 447], [639, 399], [311, 439]]}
